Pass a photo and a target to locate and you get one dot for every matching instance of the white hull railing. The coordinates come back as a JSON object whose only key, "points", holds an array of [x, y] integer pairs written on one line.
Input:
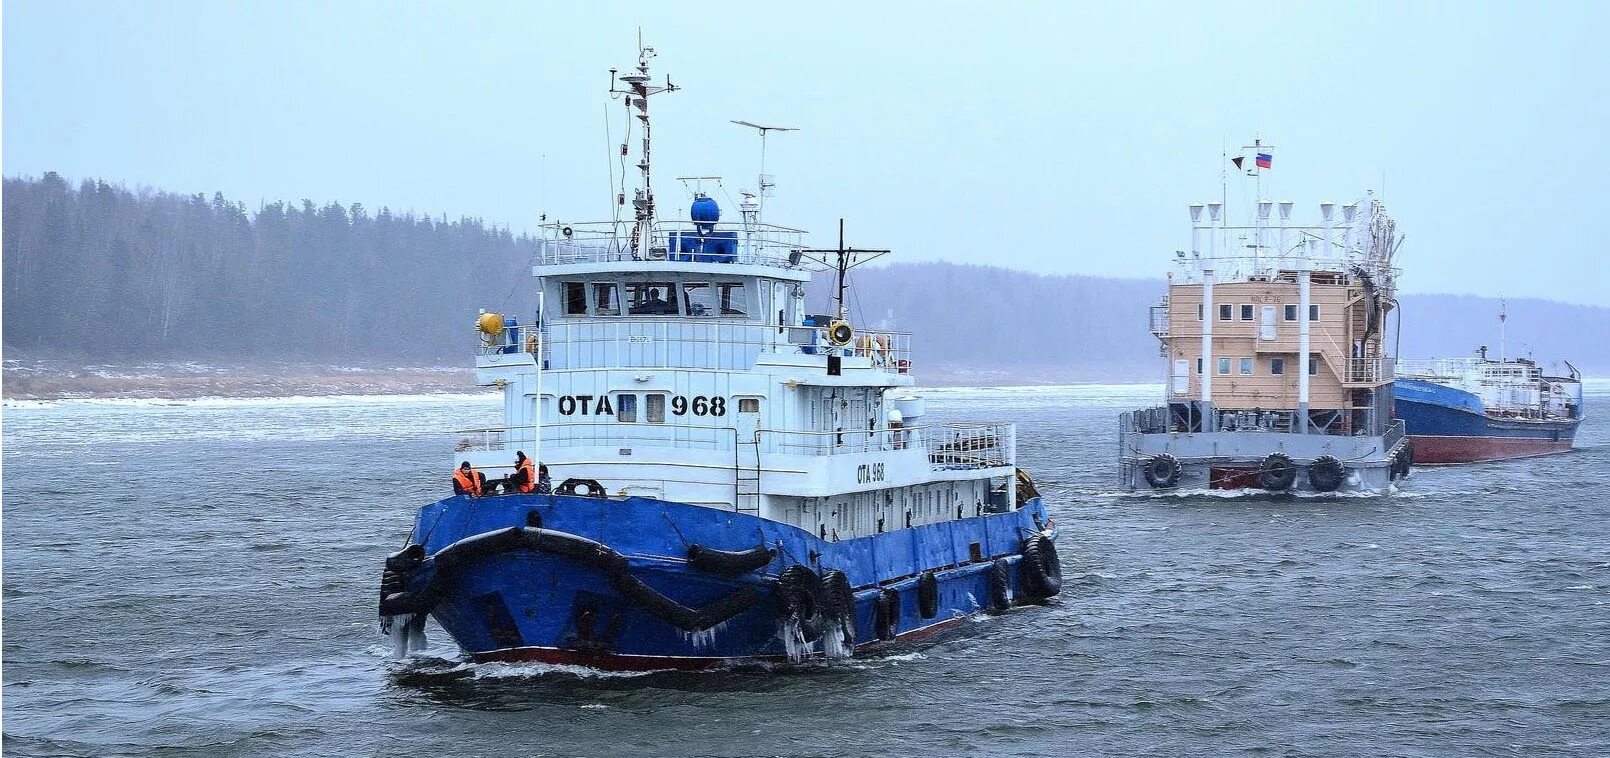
{"points": [[948, 446]]}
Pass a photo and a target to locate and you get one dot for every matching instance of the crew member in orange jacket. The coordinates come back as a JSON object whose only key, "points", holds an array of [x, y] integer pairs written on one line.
{"points": [[466, 481], [524, 478]]}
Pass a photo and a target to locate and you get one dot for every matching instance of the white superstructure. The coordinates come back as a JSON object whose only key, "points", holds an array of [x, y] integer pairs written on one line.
{"points": [[675, 359]]}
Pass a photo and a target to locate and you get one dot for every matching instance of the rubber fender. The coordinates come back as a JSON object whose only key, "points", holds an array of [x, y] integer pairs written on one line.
{"points": [[1277, 472], [886, 615], [838, 604], [729, 562], [1326, 473], [1000, 586], [577, 549], [1041, 568], [1162, 471], [799, 599], [928, 595], [406, 559]]}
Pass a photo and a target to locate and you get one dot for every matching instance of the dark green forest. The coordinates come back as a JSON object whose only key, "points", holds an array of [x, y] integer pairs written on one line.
{"points": [[105, 272]]}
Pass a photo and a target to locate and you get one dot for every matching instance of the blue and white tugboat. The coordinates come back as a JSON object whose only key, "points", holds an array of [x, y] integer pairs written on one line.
{"points": [[738, 480]]}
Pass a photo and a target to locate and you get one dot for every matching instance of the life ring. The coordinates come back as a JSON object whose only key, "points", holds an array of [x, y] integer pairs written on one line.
{"points": [[1277, 472], [799, 601], [886, 615], [928, 595], [1000, 586], [1326, 473], [569, 487], [1041, 568], [1162, 471]]}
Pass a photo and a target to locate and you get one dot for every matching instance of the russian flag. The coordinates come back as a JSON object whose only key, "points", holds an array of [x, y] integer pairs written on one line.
{"points": [[1265, 160]]}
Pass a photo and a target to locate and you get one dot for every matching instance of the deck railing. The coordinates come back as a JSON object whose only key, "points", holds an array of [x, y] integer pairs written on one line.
{"points": [[607, 241], [948, 446], [687, 343]]}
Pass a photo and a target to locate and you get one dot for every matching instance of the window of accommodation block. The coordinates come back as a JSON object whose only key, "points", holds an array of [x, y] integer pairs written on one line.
{"points": [[575, 299]]}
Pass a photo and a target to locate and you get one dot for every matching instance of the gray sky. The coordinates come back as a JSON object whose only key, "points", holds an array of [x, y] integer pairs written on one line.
{"points": [[1053, 137]]}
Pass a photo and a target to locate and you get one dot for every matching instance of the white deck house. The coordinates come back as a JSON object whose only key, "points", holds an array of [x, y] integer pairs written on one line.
{"points": [[700, 378]]}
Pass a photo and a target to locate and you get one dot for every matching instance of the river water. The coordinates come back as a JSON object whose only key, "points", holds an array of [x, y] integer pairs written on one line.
{"points": [[199, 578]]}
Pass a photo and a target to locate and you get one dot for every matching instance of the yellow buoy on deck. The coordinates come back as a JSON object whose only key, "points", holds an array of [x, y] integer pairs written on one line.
{"points": [[490, 323]]}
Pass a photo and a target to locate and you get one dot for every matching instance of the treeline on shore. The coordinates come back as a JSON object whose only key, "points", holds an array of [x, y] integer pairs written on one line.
{"points": [[106, 274]]}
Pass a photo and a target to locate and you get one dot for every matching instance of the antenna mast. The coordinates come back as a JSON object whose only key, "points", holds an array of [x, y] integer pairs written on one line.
{"points": [[1503, 327], [637, 92], [765, 184]]}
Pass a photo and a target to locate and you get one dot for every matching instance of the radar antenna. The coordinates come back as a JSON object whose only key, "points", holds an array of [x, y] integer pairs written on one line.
{"points": [[764, 189], [637, 92]]}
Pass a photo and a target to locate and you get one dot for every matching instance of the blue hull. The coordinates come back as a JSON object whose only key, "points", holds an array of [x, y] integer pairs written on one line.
{"points": [[1450, 425], [528, 604]]}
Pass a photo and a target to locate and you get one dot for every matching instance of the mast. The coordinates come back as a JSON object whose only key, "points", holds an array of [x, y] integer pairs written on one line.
{"points": [[637, 93], [764, 184], [1503, 327]]}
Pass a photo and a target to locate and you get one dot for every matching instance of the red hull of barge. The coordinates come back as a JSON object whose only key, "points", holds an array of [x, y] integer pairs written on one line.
{"points": [[1432, 451]]}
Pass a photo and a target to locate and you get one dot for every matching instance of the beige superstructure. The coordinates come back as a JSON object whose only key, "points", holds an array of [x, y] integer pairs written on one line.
{"points": [[1256, 356], [1274, 338]]}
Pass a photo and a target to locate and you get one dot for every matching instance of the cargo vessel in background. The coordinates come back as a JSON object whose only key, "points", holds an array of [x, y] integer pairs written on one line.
{"points": [[1278, 377], [738, 480], [1467, 410]]}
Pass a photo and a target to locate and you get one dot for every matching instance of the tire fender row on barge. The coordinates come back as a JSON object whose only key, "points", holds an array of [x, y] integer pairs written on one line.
{"points": [[1277, 471]]}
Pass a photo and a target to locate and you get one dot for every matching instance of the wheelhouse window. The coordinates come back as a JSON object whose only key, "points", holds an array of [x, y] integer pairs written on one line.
{"points": [[1277, 366], [1199, 365], [1246, 367], [654, 408], [1313, 365], [575, 299], [698, 299], [626, 408], [1291, 313], [1313, 313], [1246, 313], [1199, 308], [606, 301], [651, 299], [1224, 365], [1226, 311], [734, 299]]}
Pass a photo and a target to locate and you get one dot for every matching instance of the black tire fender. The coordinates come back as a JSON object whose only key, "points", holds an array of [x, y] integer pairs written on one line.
{"points": [[1326, 473], [1277, 472], [928, 595], [1041, 568], [1000, 586], [799, 600], [1162, 471], [886, 615]]}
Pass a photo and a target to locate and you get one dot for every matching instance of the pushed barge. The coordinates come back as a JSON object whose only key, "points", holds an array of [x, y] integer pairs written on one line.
{"points": [[739, 480], [1277, 376]]}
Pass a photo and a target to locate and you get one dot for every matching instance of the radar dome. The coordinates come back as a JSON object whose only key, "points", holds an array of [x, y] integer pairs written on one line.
{"points": [[705, 210]]}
